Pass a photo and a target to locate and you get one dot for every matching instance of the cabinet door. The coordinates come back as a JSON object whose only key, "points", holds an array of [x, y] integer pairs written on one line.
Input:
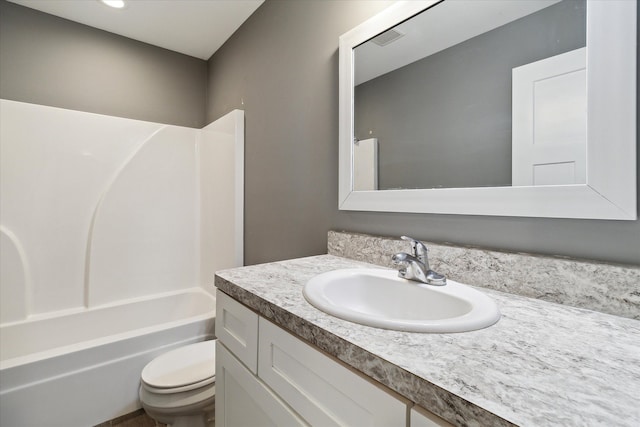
{"points": [[237, 329], [243, 401], [320, 389], [422, 418]]}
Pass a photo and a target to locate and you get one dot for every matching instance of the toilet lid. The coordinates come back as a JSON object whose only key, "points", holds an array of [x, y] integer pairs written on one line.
{"points": [[186, 365]]}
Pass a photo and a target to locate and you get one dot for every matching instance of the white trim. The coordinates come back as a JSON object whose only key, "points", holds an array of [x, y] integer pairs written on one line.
{"points": [[239, 184], [610, 192]]}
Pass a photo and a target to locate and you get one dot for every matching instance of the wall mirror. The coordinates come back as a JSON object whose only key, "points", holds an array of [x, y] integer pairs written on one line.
{"points": [[495, 107]]}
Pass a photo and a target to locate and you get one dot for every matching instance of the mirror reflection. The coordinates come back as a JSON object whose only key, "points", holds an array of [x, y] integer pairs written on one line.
{"points": [[473, 94]]}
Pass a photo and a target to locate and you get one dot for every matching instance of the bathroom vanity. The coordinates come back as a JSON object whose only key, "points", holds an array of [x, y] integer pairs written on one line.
{"points": [[541, 364], [291, 383]]}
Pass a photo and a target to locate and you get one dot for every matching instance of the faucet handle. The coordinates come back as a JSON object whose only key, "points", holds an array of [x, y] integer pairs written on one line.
{"points": [[419, 249]]}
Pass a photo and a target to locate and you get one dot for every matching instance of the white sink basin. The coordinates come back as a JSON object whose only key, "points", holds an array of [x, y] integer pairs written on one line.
{"points": [[377, 297]]}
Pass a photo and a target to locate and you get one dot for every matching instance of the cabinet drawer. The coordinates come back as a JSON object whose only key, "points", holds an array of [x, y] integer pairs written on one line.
{"points": [[242, 400], [237, 329], [320, 389]]}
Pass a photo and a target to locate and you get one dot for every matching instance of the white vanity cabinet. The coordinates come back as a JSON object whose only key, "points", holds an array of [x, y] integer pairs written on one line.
{"points": [[241, 399], [322, 390], [267, 376], [237, 329]]}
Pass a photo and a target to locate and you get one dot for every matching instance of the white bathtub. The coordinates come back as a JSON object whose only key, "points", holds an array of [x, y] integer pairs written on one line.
{"points": [[83, 368]]}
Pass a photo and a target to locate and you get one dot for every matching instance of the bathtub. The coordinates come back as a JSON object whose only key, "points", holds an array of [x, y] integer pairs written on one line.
{"points": [[81, 368]]}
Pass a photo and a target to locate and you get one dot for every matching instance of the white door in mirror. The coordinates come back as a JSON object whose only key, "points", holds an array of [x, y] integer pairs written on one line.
{"points": [[550, 121]]}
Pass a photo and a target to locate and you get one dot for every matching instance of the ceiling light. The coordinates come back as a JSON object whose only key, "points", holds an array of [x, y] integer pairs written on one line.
{"points": [[118, 4]]}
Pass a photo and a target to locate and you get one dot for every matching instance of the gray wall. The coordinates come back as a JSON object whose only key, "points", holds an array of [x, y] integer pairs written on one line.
{"points": [[281, 66], [442, 125], [52, 61]]}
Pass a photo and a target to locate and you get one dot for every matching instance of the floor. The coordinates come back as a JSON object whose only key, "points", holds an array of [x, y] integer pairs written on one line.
{"points": [[135, 419]]}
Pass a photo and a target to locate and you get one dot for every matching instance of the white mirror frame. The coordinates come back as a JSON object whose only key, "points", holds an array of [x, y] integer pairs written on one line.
{"points": [[610, 191]]}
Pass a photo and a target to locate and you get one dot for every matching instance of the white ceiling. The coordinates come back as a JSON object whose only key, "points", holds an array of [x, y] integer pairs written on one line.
{"points": [[193, 27]]}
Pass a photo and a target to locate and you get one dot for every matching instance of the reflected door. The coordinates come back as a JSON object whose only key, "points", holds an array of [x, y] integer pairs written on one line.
{"points": [[549, 121]]}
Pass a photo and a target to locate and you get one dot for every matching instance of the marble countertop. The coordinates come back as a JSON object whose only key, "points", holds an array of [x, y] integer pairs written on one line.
{"points": [[542, 364]]}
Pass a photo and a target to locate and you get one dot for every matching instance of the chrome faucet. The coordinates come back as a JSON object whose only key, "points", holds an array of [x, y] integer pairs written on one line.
{"points": [[416, 267]]}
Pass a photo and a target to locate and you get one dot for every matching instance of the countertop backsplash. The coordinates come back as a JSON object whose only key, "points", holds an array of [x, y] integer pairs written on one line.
{"points": [[607, 288]]}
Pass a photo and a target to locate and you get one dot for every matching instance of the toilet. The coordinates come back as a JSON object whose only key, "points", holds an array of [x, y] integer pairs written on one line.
{"points": [[178, 387]]}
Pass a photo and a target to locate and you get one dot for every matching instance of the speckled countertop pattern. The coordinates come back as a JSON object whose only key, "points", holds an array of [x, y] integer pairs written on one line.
{"points": [[542, 364]]}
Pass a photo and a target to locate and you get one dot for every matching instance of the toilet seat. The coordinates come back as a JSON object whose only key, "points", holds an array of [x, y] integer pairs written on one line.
{"points": [[182, 369], [174, 390], [177, 403]]}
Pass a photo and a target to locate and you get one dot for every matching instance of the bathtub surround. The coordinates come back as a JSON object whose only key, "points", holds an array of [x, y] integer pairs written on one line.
{"points": [[542, 364], [100, 209], [101, 214], [59, 171], [607, 288]]}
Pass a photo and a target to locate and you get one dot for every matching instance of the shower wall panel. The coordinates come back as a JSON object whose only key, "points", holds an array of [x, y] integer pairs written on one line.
{"points": [[95, 209]]}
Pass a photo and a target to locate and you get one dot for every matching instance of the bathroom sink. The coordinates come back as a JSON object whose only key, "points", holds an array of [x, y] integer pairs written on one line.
{"points": [[379, 298]]}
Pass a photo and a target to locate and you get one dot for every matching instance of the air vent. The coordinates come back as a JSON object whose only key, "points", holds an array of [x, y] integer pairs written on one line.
{"points": [[387, 37]]}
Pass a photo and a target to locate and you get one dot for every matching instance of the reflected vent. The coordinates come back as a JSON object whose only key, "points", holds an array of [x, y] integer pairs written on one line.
{"points": [[387, 37]]}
